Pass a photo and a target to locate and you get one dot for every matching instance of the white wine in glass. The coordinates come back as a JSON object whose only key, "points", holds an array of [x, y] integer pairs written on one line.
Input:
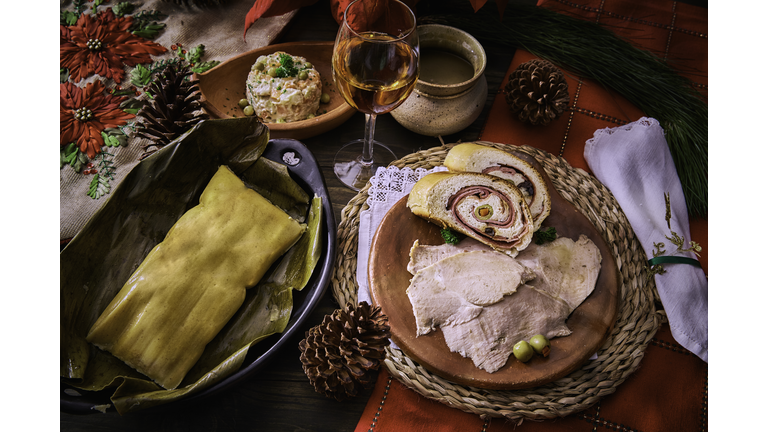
{"points": [[375, 68]]}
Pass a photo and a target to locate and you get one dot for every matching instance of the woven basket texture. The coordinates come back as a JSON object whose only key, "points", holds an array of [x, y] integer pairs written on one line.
{"points": [[637, 322]]}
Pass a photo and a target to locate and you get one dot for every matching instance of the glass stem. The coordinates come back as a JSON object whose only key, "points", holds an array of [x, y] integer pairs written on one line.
{"points": [[370, 127]]}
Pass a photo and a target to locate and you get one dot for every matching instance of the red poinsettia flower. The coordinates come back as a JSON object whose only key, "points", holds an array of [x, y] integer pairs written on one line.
{"points": [[102, 45], [84, 113]]}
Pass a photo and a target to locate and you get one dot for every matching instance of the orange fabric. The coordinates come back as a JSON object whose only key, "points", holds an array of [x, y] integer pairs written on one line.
{"points": [[667, 393], [669, 390]]}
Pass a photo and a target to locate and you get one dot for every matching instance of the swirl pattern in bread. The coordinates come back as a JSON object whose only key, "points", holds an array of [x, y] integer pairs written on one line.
{"points": [[471, 157], [486, 208]]}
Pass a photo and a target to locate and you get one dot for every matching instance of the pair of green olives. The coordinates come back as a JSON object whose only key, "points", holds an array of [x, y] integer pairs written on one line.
{"points": [[524, 350], [247, 109]]}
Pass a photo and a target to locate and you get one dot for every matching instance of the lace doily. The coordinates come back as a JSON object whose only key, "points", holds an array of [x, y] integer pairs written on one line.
{"points": [[388, 186]]}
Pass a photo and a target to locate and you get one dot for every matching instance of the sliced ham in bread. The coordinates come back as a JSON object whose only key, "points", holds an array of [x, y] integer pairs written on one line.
{"points": [[471, 157], [486, 208]]}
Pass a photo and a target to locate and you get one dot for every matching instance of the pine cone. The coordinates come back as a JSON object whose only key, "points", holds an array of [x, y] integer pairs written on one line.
{"points": [[173, 109], [537, 92], [342, 355]]}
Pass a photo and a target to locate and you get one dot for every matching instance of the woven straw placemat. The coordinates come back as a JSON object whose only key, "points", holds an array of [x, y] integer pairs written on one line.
{"points": [[637, 321]]}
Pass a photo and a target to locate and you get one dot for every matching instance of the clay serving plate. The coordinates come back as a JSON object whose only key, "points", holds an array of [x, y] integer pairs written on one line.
{"points": [[591, 323], [223, 86]]}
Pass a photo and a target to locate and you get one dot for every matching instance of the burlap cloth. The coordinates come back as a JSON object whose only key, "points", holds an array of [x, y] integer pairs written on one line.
{"points": [[220, 30]]}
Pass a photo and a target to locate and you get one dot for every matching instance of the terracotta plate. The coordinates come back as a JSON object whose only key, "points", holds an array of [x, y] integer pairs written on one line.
{"points": [[591, 323], [223, 86]]}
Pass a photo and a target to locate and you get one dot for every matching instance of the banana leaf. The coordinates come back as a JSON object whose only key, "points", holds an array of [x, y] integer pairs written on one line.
{"points": [[137, 215], [295, 269], [289, 196]]}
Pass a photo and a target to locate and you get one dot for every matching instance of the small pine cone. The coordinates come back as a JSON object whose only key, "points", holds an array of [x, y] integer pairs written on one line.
{"points": [[342, 355], [173, 109], [537, 92]]}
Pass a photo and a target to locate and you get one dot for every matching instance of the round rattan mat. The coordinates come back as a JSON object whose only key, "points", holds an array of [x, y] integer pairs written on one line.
{"points": [[637, 321]]}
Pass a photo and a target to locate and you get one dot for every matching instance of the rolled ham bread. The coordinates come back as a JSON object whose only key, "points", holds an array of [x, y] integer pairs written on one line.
{"points": [[470, 157], [486, 208]]}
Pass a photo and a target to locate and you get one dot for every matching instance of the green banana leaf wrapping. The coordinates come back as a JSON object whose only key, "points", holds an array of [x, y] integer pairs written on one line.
{"points": [[266, 178], [136, 217]]}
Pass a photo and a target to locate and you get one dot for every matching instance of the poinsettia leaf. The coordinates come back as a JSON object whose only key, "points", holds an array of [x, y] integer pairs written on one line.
{"points": [[96, 3], [140, 76], [71, 155], [204, 66], [477, 4], [99, 187], [109, 140], [501, 5], [67, 154], [114, 137], [149, 31], [123, 8], [131, 104], [68, 18], [270, 8], [339, 6], [80, 161], [145, 23], [147, 16], [195, 54]]}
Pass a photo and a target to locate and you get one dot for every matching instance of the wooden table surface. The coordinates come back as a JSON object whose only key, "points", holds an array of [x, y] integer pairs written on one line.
{"points": [[280, 397]]}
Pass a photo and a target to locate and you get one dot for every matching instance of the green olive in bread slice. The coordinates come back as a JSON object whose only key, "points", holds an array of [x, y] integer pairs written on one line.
{"points": [[471, 157], [487, 208]]}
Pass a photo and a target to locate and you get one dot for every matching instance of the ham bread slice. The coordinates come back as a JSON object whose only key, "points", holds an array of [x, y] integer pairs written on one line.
{"points": [[470, 157], [489, 209]]}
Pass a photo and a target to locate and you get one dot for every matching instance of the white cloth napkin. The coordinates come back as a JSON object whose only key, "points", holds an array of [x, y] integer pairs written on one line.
{"points": [[387, 187], [634, 162]]}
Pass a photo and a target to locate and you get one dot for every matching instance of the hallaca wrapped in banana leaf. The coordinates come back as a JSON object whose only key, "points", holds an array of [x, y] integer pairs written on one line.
{"points": [[139, 214], [194, 281]]}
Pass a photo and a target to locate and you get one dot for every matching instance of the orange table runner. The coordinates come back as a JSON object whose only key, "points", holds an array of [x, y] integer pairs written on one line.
{"points": [[669, 390]]}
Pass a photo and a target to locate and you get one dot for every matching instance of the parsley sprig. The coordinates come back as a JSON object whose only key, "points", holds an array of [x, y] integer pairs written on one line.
{"points": [[545, 235], [287, 67]]}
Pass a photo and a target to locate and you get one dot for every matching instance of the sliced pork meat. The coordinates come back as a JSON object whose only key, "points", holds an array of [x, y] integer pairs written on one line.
{"points": [[454, 290]]}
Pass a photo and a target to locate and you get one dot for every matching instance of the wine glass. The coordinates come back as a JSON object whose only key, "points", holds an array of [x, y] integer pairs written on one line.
{"points": [[375, 68]]}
